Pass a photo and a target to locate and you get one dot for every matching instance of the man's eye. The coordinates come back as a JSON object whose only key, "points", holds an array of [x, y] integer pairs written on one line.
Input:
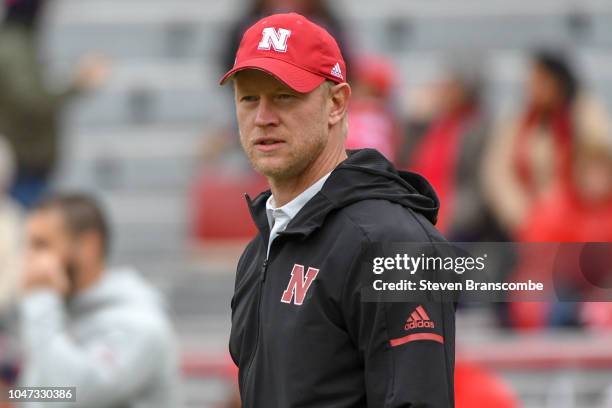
{"points": [[248, 98], [284, 96]]}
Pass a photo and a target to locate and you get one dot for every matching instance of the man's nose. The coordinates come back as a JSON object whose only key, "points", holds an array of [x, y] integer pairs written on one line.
{"points": [[266, 114]]}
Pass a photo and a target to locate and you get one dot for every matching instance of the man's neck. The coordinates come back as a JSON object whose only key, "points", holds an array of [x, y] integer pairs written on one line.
{"points": [[287, 189]]}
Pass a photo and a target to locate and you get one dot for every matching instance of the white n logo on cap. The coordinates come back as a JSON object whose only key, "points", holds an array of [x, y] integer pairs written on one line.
{"points": [[271, 38]]}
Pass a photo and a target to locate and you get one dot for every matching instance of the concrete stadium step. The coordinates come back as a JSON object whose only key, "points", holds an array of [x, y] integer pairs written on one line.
{"points": [[146, 208], [167, 39], [192, 296], [179, 263], [483, 8], [204, 332], [150, 11], [577, 388], [153, 102], [143, 157], [108, 171]]}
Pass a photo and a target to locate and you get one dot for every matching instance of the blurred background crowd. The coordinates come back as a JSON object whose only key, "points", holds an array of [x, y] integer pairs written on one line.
{"points": [[502, 106]]}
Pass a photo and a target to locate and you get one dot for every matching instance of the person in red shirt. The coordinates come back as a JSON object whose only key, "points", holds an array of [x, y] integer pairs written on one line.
{"points": [[575, 210], [374, 123], [449, 153], [579, 209]]}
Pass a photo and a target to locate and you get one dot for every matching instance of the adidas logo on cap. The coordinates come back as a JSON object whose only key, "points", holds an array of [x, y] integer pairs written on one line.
{"points": [[419, 319], [336, 71]]}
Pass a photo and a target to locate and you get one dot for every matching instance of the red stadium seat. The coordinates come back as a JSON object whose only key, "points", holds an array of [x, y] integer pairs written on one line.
{"points": [[219, 210]]}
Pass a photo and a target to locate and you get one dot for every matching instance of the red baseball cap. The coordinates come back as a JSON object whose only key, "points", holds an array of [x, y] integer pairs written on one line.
{"points": [[293, 49]]}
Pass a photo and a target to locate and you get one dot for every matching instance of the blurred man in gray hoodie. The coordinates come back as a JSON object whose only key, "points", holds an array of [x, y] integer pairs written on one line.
{"points": [[102, 331]]}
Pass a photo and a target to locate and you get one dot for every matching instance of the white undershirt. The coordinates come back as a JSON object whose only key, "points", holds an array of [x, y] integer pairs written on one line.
{"points": [[279, 218]]}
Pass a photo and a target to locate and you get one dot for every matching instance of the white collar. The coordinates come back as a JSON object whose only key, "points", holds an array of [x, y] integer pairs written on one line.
{"points": [[294, 206]]}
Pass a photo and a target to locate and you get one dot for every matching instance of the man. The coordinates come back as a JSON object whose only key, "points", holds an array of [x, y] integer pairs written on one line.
{"points": [[301, 335], [102, 331]]}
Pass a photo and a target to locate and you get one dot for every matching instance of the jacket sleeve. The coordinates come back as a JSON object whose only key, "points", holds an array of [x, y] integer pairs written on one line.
{"points": [[407, 348], [105, 373]]}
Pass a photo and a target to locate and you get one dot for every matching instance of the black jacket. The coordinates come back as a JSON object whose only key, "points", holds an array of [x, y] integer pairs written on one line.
{"points": [[315, 343]]}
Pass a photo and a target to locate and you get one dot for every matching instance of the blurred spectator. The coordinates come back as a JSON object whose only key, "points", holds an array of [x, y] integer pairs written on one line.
{"points": [[29, 109], [103, 331], [318, 11], [422, 106], [575, 210], [10, 228], [532, 153], [449, 154], [373, 122], [578, 209]]}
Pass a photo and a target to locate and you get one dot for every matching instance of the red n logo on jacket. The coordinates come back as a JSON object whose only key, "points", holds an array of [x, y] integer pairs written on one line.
{"points": [[298, 286]]}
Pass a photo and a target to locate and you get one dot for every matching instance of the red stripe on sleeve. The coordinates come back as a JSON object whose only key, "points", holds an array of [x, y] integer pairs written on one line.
{"points": [[416, 337]]}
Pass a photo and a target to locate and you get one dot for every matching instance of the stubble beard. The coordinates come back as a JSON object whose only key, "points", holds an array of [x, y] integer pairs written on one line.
{"points": [[296, 162]]}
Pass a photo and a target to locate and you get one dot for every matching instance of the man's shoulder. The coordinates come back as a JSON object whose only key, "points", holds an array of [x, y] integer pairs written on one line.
{"points": [[384, 221]]}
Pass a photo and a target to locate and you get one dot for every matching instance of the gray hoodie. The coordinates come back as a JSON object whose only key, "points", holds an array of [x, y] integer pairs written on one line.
{"points": [[113, 342]]}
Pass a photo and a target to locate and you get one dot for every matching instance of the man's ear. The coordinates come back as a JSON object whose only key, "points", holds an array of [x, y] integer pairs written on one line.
{"points": [[339, 95]]}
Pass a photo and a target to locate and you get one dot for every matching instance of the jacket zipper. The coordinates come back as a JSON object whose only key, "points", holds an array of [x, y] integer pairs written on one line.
{"points": [[264, 269]]}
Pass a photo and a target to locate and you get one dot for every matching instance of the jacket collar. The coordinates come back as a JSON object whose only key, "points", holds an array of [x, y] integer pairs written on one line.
{"points": [[308, 219], [365, 174]]}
